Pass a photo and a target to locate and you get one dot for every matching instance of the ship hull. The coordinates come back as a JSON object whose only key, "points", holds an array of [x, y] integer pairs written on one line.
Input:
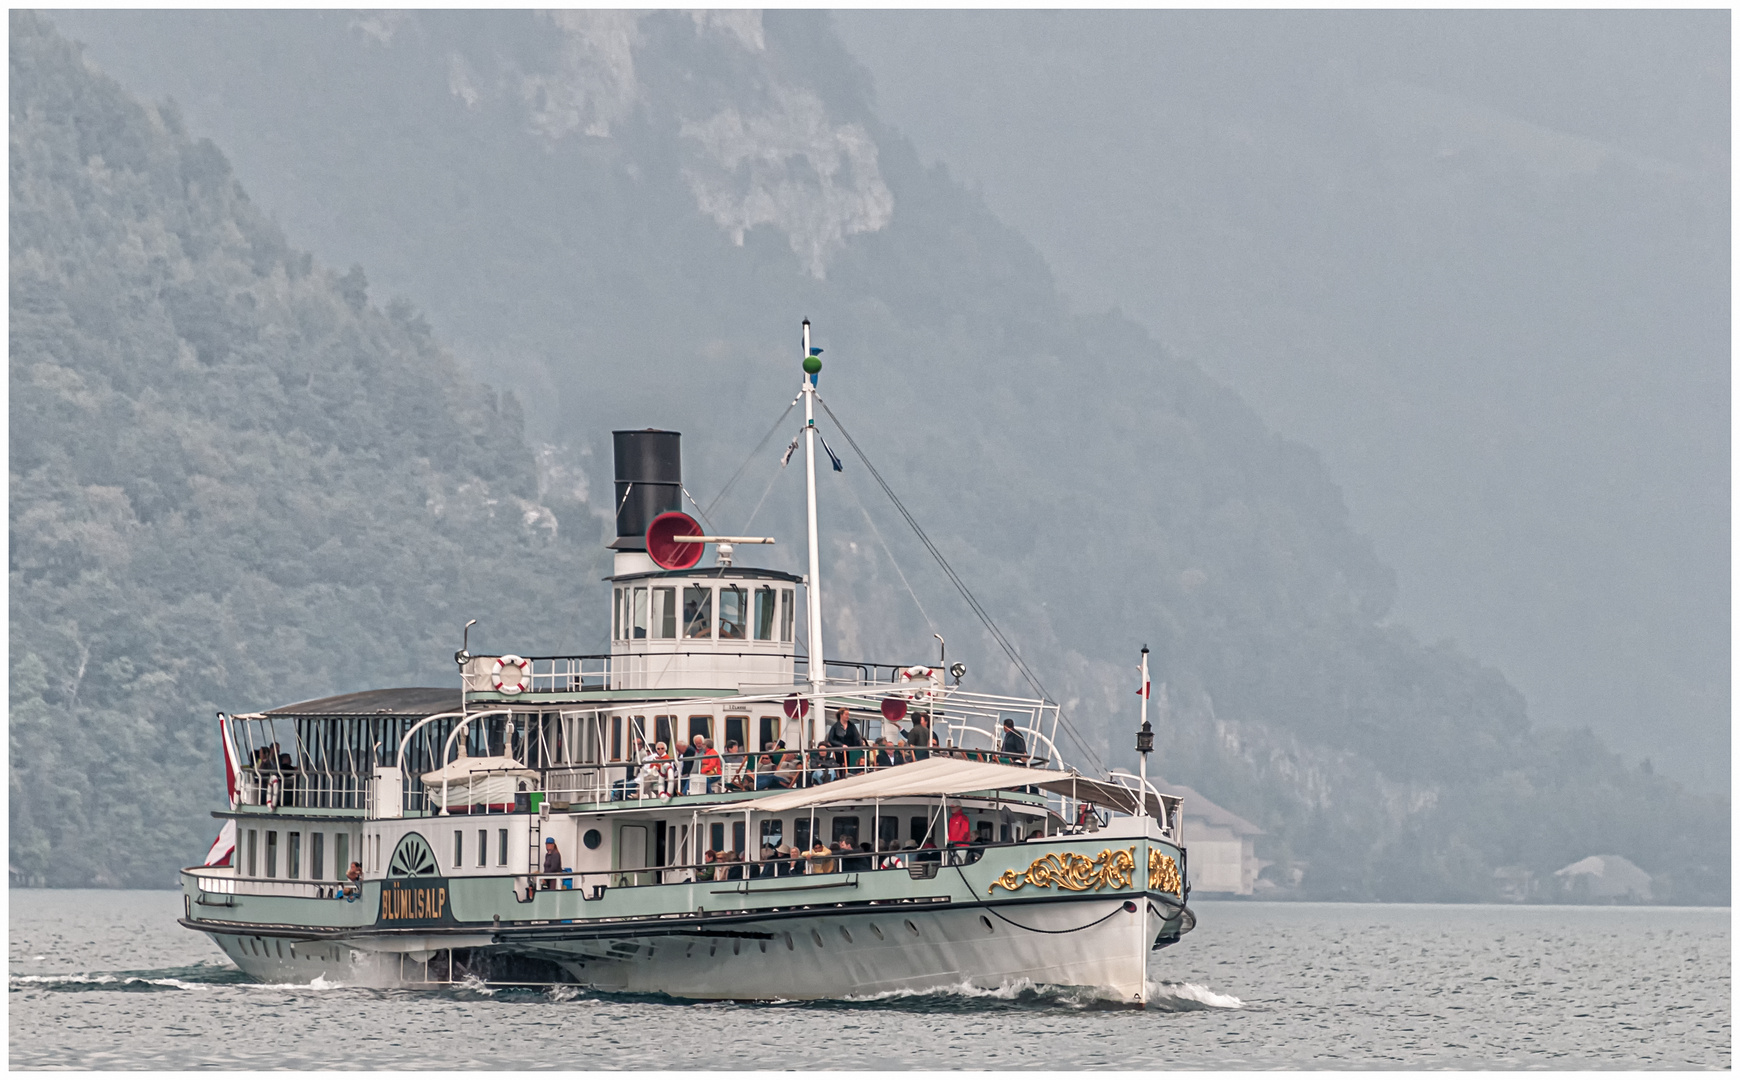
{"points": [[1093, 944]]}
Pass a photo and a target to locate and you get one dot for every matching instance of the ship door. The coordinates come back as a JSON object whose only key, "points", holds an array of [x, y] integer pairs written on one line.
{"points": [[632, 854]]}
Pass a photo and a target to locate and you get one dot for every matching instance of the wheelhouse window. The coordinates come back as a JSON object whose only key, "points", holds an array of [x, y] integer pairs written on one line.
{"points": [[697, 611], [616, 738], [271, 853], [316, 856], [616, 616], [501, 847], [340, 856], [637, 615], [764, 612], [253, 853], [787, 613], [458, 848], [664, 612], [483, 847], [733, 613], [293, 856]]}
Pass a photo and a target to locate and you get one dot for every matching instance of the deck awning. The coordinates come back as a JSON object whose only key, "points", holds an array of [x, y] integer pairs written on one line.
{"points": [[949, 776]]}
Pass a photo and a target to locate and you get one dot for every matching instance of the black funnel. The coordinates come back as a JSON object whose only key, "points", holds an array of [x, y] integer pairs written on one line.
{"points": [[649, 481]]}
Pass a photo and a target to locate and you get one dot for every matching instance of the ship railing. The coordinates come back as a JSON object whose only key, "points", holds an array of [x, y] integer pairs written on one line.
{"points": [[292, 787], [618, 781], [593, 671], [739, 867], [230, 884]]}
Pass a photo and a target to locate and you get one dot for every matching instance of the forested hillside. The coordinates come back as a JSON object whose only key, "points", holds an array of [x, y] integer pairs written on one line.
{"points": [[235, 482], [623, 217]]}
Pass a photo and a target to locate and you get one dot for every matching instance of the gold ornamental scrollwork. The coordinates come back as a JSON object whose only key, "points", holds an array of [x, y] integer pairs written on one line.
{"points": [[1163, 873], [1113, 868]]}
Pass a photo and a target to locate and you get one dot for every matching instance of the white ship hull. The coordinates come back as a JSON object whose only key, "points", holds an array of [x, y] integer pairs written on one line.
{"points": [[1091, 943]]}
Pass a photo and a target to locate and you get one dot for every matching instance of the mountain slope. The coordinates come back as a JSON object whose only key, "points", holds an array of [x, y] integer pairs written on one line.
{"points": [[234, 482]]}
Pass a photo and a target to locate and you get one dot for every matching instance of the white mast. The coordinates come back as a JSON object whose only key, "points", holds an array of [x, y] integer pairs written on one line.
{"points": [[813, 587], [1144, 740]]}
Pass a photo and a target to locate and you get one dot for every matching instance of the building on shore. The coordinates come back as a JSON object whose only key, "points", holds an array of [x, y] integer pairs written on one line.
{"points": [[1221, 844], [1601, 877]]}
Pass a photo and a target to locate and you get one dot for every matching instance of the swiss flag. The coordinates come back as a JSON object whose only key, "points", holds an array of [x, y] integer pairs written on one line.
{"points": [[225, 845]]}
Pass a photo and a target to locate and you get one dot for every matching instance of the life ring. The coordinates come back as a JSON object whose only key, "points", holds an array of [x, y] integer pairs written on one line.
{"points": [[518, 682], [920, 673]]}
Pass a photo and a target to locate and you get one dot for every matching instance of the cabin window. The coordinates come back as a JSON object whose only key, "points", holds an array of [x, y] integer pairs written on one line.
{"points": [[271, 853], [716, 836], [701, 725], [787, 614], [662, 728], [800, 831], [769, 731], [738, 831], [637, 614], [253, 853], [483, 847], [316, 856], [733, 613], [984, 832], [664, 612], [845, 826], [293, 856], [697, 611], [888, 833], [920, 829], [616, 615], [764, 610], [773, 833], [501, 847], [458, 848], [616, 738], [340, 855], [735, 730]]}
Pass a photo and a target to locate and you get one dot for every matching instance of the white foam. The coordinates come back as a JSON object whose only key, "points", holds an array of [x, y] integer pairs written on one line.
{"points": [[1184, 996]]}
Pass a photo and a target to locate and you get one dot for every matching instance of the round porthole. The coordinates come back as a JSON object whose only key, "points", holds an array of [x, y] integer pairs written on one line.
{"points": [[877, 930], [847, 934], [592, 839], [911, 927], [987, 924], [817, 934]]}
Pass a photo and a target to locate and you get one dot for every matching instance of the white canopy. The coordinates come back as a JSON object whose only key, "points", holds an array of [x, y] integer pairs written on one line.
{"points": [[949, 776]]}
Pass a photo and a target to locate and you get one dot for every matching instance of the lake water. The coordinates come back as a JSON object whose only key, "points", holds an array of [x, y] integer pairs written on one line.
{"points": [[103, 979]]}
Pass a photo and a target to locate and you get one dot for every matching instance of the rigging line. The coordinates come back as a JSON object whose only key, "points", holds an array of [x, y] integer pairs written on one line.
{"points": [[997, 634], [746, 461], [704, 519], [765, 492], [870, 521]]}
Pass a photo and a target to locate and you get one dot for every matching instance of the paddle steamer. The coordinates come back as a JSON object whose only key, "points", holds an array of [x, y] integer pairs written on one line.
{"points": [[523, 826]]}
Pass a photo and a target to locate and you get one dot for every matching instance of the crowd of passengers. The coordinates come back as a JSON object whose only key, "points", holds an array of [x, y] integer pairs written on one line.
{"points": [[653, 771], [844, 856]]}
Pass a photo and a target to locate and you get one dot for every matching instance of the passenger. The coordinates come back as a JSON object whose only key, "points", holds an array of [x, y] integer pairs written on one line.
{"points": [[738, 774], [786, 776], [920, 737], [1013, 743], [552, 862], [959, 829], [821, 771], [712, 767], [735, 866], [651, 777], [708, 861], [821, 859], [353, 881], [691, 757]]}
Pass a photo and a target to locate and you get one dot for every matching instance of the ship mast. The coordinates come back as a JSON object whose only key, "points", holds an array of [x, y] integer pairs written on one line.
{"points": [[813, 587]]}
